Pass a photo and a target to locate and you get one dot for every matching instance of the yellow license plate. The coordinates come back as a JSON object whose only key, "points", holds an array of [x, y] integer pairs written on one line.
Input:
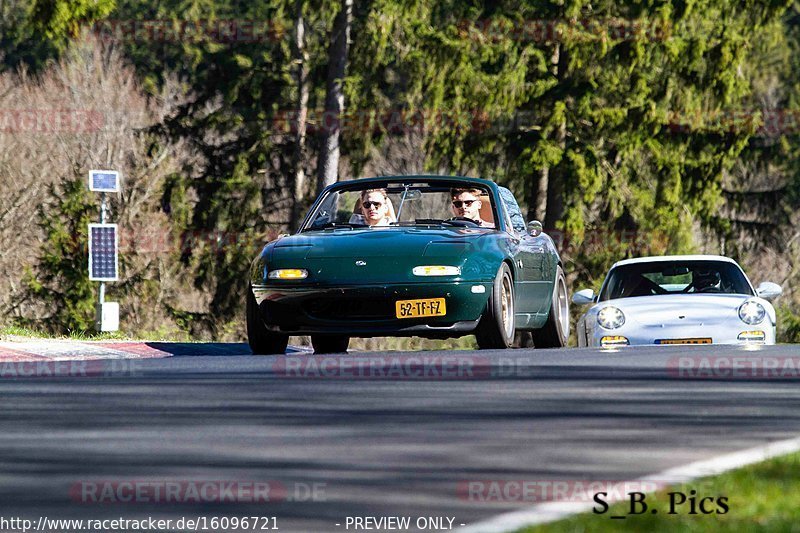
{"points": [[683, 341], [420, 308]]}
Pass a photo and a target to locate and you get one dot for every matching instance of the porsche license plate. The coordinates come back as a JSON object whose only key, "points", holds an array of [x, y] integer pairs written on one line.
{"points": [[684, 341], [420, 308]]}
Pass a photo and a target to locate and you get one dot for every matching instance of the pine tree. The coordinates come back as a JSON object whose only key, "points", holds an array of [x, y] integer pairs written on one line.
{"points": [[60, 279]]}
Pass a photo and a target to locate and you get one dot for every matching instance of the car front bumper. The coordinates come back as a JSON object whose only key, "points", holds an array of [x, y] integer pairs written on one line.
{"points": [[369, 310], [732, 334]]}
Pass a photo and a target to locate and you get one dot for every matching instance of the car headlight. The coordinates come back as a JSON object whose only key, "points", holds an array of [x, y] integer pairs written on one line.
{"points": [[610, 318], [436, 270], [288, 273], [752, 312]]}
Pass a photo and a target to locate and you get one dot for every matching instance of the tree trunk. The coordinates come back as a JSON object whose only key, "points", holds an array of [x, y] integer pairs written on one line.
{"points": [[301, 62], [328, 167], [542, 188], [554, 209], [555, 184], [537, 201]]}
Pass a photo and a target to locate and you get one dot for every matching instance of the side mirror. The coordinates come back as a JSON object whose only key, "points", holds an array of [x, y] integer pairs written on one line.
{"points": [[534, 228], [583, 297], [769, 290]]}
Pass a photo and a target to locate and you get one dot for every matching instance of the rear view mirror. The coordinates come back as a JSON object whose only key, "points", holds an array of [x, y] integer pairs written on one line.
{"points": [[583, 297], [769, 290], [408, 194]]}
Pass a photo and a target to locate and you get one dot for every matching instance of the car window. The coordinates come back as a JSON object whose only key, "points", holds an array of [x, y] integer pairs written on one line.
{"points": [[673, 277], [405, 204], [513, 210]]}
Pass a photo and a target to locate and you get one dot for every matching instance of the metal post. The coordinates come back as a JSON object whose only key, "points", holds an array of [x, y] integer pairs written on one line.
{"points": [[102, 293]]}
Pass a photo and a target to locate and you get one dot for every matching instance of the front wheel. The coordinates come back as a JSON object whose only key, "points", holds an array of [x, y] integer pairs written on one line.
{"points": [[330, 343], [496, 328], [261, 340], [555, 332]]}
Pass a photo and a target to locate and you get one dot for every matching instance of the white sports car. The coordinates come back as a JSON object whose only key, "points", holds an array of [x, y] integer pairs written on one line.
{"points": [[680, 299]]}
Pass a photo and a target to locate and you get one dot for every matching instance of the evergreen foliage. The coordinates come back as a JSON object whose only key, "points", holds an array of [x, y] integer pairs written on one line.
{"points": [[61, 278], [634, 123]]}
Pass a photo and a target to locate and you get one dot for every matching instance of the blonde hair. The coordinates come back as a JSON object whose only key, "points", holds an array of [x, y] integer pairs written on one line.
{"points": [[475, 192], [366, 192]]}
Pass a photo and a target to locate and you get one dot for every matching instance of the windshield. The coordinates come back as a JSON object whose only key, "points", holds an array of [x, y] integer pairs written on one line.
{"points": [[674, 277], [406, 204]]}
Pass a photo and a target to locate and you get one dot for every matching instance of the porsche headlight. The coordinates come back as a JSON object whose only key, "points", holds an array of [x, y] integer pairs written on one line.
{"points": [[752, 312], [610, 318], [288, 273], [436, 270]]}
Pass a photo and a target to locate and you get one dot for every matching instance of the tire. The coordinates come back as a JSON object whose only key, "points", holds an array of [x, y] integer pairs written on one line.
{"points": [[496, 328], [261, 340], [555, 332], [330, 343]]}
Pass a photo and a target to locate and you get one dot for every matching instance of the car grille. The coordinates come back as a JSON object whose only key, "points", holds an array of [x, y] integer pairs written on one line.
{"points": [[349, 309]]}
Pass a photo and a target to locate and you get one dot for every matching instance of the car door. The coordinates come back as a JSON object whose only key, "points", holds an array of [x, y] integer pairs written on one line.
{"points": [[534, 280]]}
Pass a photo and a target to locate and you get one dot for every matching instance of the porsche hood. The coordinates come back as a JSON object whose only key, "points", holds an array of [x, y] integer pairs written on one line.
{"points": [[682, 309]]}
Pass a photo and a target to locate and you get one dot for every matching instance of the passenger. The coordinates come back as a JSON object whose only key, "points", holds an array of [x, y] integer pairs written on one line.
{"points": [[377, 208], [466, 203]]}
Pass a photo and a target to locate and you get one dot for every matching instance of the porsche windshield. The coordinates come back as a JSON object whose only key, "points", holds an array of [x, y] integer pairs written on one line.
{"points": [[397, 204], [673, 277]]}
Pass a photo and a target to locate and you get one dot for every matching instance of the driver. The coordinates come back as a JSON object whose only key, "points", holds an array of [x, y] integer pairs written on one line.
{"points": [[705, 280], [466, 203], [376, 208]]}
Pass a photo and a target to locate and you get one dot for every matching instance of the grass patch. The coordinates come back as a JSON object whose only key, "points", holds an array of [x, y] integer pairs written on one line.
{"points": [[760, 497], [173, 335], [16, 332]]}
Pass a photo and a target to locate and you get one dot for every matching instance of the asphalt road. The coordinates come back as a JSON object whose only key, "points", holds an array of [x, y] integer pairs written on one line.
{"points": [[380, 435]]}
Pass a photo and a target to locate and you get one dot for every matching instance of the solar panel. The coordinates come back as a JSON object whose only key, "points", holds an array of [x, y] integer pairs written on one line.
{"points": [[104, 180], [103, 252]]}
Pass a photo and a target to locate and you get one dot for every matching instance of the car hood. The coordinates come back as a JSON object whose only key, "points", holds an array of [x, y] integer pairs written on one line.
{"points": [[667, 309], [365, 256], [384, 242]]}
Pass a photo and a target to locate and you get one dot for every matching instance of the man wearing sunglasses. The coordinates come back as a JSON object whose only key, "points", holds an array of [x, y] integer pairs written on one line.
{"points": [[376, 207], [466, 203]]}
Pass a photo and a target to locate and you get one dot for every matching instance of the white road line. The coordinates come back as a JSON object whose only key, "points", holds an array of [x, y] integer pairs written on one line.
{"points": [[551, 511]]}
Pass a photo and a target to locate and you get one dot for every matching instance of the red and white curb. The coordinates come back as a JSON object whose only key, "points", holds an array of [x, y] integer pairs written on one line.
{"points": [[36, 350], [60, 350]]}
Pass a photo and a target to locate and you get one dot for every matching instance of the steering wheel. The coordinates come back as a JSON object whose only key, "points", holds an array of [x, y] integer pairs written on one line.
{"points": [[465, 219], [709, 289]]}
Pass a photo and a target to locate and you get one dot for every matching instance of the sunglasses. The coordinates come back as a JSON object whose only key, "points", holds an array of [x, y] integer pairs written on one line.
{"points": [[466, 203], [369, 205]]}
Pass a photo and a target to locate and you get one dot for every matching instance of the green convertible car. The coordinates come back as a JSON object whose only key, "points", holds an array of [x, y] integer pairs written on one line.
{"points": [[427, 256]]}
